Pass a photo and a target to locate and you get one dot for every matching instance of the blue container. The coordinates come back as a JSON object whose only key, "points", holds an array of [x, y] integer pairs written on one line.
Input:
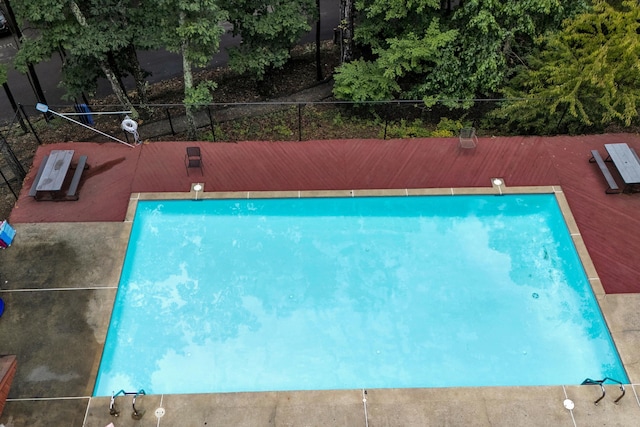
{"points": [[7, 233]]}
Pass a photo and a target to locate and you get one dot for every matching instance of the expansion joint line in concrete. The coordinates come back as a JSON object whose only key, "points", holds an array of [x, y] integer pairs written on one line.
{"points": [[84, 288]]}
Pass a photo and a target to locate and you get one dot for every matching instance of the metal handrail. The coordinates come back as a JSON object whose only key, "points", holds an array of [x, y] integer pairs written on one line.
{"points": [[136, 415], [589, 381]]}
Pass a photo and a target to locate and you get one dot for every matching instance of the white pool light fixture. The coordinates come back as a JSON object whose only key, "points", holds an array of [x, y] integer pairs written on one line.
{"points": [[197, 187]]}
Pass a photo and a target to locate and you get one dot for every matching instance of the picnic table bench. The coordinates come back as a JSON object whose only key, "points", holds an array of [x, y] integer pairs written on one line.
{"points": [[613, 186], [52, 175]]}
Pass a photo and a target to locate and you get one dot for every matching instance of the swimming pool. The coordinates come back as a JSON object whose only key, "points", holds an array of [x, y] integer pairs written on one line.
{"points": [[365, 292]]}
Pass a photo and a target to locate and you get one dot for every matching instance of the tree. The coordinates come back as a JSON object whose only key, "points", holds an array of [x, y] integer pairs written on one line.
{"points": [[196, 36], [446, 52], [346, 27], [269, 29], [585, 76], [91, 35], [88, 36]]}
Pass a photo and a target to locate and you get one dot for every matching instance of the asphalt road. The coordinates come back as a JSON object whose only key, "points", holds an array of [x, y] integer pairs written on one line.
{"points": [[161, 64]]}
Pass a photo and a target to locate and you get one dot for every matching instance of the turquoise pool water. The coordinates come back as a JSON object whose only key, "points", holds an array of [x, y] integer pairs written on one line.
{"points": [[339, 293]]}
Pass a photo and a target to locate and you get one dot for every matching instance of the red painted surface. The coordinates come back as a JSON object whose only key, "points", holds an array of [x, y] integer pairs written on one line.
{"points": [[8, 366], [609, 224]]}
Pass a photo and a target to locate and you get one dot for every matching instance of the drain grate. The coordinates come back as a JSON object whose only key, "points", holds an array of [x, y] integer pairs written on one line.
{"points": [[159, 412]]}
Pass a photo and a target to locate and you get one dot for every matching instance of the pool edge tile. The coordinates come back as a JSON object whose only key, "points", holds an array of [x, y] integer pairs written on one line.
{"points": [[273, 195], [379, 193], [623, 320], [471, 191], [429, 192], [528, 190], [131, 209], [585, 258], [569, 219], [326, 193]]}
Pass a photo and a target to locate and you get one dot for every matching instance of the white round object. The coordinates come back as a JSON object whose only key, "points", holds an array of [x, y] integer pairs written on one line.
{"points": [[568, 403], [129, 125], [197, 187], [159, 412], [497, 181]]}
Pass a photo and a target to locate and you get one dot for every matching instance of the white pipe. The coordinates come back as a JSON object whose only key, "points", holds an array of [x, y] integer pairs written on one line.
{"points": [[97, 113], [89, 127]]}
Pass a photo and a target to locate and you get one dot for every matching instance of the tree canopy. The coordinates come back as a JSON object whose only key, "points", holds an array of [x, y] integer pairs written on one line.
{"points": [[585, 76], [101, 38], [95, 38], [424, 50], [195, 34], [269, 29]]}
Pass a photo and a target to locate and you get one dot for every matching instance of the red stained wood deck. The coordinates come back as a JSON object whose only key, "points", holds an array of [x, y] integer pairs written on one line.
{"points": [[609, 224]]}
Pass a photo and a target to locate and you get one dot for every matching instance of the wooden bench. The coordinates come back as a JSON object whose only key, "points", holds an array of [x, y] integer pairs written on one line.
{"points": [[33, 190], [613, 187], [72, 192]]}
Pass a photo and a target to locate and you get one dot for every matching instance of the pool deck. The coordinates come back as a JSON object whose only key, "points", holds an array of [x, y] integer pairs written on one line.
{"points": [[60, 277]]}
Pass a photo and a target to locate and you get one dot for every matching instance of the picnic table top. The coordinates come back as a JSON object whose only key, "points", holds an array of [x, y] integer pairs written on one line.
{"points": [[55, 170], [626, 161]]}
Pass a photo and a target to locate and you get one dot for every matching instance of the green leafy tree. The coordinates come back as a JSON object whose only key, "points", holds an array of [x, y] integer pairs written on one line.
{"points": [[435, 51], [3, 74], [269, 29], [89, 37], [96, 38], [192, 29], [586, 76], [80, 30]]}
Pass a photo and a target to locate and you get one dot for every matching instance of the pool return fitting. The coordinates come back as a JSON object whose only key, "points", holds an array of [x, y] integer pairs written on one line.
{"points": [[589, 381], [136, 415]]}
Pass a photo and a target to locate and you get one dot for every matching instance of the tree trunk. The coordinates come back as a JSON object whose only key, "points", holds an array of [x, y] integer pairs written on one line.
{"points": [[113, 66], [139, 76], [347, 10], [192, 128], [108, 72], [117, 90]]}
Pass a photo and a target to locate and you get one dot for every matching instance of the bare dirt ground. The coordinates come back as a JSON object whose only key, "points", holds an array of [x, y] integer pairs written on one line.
{"points": [[300, 73]]}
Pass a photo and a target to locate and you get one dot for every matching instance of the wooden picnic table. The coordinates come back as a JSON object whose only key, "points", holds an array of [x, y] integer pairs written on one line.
{"points": [[626, 161], [55, 170], [52, 175]]}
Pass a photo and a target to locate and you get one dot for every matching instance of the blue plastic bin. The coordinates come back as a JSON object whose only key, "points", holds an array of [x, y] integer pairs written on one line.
{"points": [[7, 233]]}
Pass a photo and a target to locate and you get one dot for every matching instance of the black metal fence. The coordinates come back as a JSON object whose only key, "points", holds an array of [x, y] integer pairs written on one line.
{"points": [[263, 121]]}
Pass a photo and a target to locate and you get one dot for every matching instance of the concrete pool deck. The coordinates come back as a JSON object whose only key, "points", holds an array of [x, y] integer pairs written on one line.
{"points": [[59, 282]]}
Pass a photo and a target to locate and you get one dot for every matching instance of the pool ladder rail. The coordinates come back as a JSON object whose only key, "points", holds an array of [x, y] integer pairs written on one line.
{"points": [[589, 381], [136, 415]]}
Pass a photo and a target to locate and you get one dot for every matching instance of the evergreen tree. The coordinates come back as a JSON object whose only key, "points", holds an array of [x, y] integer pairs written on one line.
{"points": [[586, 76]]}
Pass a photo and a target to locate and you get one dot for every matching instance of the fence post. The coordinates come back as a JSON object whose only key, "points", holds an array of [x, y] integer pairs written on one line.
{"points": [[14, 163], [299, 122], [30, 125], [213, 125], [173, 132], [8, 184], [12, 101]]}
